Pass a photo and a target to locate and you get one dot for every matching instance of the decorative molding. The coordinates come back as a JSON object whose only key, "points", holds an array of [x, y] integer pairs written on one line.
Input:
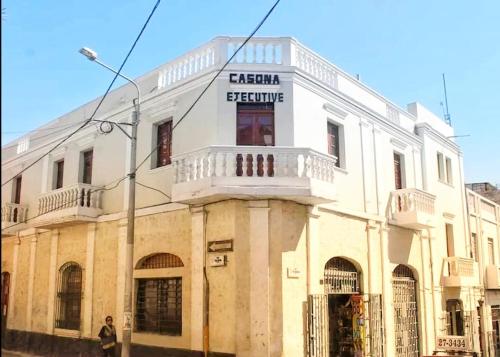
{"points": [[339, 113], [399, 144], [160, 109], [87, 140], [448, 215]]}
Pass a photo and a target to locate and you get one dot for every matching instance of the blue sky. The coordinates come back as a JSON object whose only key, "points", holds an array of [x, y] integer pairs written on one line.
{"points": [[399, 47]]}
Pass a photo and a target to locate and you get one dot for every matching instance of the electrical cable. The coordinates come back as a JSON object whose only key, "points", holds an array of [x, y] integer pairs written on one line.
{"points": [[100, 102], [213, 80], [154, 189], [54, 130]]}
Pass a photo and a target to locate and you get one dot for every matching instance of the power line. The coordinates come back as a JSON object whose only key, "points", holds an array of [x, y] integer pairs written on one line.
{"points": [[54, 131], [37, 130], [213, 80], [100, 102], [154, 189]]}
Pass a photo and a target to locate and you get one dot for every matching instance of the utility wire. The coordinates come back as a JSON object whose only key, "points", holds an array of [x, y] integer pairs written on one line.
{"points": [[213, 80], [118, 181], [98, 105], [154, 189], [54, 130], [41, 129]]}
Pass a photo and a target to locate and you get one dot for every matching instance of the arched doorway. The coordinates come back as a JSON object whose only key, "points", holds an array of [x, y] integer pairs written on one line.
{"points": [[404, 292], [345, 308], [5, 300]]}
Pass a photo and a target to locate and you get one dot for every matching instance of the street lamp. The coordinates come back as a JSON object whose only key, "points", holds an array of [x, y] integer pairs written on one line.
{"points": [[127, 307]]}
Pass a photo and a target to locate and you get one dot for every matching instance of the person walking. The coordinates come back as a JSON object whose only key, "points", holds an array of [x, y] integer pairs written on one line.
{"points": [[108, 338]]}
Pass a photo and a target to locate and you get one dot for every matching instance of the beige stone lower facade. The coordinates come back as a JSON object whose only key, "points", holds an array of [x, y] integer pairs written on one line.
{"points": [[285, 279]]}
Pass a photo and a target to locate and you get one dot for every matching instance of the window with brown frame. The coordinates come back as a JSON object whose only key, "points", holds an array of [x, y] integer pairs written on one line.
{"points": [[255, 124], [88, 157], [164, 143], [69, 297], [17, 189], [334, 141], [59, 174]]}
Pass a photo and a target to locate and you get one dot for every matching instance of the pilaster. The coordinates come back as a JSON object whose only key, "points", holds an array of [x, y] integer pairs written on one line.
{"points": [[387, 298], [31, 281], [120, 278], [89, 281], [54, 242], [314, 272], [197, 280], [259, 277], [12, 292]]}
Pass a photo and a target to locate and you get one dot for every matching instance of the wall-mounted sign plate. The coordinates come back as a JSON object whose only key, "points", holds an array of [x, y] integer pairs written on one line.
{"points": [[217, 260], [220, 246], [293, 273]]}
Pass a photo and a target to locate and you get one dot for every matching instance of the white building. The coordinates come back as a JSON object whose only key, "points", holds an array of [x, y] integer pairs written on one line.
{"points": [[338, 217]]}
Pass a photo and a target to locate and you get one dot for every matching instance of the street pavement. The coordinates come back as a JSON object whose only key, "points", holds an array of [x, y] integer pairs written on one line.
{"points": [[6, 353]]}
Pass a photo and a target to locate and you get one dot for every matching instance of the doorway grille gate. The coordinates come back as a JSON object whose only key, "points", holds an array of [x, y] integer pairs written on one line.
{"points": [[341, 277], [375, 342], [317, 325], [405, 312]]}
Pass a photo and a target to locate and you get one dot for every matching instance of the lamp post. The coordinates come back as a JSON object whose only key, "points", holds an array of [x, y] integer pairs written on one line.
{"points": [[127, 306]]}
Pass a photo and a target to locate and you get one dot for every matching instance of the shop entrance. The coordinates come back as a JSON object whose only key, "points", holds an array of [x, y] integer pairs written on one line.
{"points": [[5, 300], [346, 318]]}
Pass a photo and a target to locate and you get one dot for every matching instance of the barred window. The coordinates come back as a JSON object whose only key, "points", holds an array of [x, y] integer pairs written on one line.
{"points": [[69, 297], [159, 306], [161, 260]]}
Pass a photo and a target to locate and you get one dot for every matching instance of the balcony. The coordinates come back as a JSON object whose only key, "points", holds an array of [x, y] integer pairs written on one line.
{"points": [[13, 214], [412, 208], [249, 172], [72, 204], [459, 272], [492, 277]]}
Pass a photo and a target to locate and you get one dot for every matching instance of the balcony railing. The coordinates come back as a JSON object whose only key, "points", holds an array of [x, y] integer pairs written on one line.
{"points": [[13, 214], [492, 277], [79, 202], [258, 171], [412, 208], [459, 272]]}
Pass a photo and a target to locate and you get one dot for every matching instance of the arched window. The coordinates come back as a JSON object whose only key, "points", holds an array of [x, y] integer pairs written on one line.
{"points": [[5, 299], [159, 300], [69, 297], [161, 260], [341, 277]]}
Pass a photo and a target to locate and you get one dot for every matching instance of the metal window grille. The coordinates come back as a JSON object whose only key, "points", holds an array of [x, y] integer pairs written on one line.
{"points": [[159, 306], [341, 277], [69, 297], [405, 312], [161, 260], [317, 326]]}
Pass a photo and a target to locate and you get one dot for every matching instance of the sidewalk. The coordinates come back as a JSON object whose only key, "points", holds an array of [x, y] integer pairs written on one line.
{"points": [[7, 353]]}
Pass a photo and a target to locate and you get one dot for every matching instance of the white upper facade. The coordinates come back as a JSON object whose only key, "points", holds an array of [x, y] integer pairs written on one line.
{"points": [[309, 93]]}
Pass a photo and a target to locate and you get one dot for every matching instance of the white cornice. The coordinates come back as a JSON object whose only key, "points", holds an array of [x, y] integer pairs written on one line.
{"points": [[339, 113], [429, 130], [353, 107], [399, 144]]}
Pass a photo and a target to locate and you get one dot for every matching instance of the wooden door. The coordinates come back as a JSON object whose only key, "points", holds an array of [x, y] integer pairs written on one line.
{"points": [[398, 177]]}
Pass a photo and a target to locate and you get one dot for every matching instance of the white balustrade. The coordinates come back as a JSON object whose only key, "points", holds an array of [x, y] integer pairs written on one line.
{"points": [[412, 199], [79, 195], [13, 213], [461, 266], [315, 65], [253, 161]]}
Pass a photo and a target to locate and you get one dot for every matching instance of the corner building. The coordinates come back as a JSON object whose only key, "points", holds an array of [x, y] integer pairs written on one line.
{"points": [[295, 212]]}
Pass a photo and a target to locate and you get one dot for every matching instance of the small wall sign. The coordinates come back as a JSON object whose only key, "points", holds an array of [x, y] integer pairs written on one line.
{"points": [[217, 260], [293, 273]]}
